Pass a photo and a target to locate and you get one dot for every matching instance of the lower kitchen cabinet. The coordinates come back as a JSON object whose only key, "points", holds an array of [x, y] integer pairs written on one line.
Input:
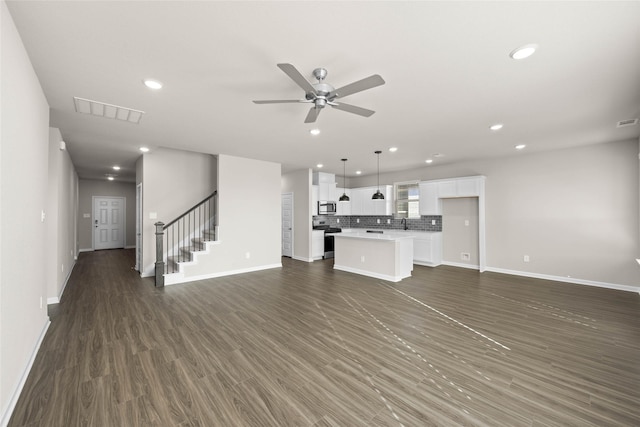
{"points": [[427, 249], [317, 244]]}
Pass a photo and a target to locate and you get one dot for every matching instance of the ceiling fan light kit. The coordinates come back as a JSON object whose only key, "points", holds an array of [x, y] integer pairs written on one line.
{"points": [[378, 195], [322, 94]]}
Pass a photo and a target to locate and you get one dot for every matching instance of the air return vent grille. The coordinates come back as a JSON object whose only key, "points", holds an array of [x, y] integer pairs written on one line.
{"points": [[109, 111], [625, 123]]}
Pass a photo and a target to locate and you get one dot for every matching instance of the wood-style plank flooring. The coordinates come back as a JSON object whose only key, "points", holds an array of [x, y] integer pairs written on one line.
{"points": [[309, 346]]}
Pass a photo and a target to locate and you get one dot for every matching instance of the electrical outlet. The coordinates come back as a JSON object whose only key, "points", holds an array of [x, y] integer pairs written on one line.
{"points": [[466, 222], [433, 222], [62, 268], [378, 220], [465, 256], [362, 258], [247, 255], [526, 258], [357, 220], [40, 302], [388, 221], [338, 220]]}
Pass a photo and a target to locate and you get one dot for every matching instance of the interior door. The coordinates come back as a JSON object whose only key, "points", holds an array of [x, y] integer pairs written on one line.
{"points": [[108, 222], [287, 224]]}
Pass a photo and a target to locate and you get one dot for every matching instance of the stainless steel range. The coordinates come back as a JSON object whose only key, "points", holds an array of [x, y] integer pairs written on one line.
{"points": [[329, 243]]}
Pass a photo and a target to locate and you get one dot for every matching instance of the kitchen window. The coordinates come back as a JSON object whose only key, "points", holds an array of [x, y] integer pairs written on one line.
{"points": [[407, 199]]}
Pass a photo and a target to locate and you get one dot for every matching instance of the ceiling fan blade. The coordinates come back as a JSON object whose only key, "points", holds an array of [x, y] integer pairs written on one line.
{"points": [[278, 101], [353, 109], [313, 115], [359, 86], [295, 75]]}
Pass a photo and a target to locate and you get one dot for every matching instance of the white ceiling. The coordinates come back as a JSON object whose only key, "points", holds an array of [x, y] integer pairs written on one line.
{"points": [[446, 65]]}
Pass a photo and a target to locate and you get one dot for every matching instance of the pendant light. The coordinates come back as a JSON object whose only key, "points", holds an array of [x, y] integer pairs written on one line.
{"points": [[378, 195], [344, 197]]}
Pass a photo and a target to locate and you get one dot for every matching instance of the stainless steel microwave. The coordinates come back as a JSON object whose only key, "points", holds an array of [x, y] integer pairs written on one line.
{"points": [[327, 208]]}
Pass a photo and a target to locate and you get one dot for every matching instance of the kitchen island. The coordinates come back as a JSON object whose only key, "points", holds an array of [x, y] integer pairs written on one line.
{"points": [[387, 255]]}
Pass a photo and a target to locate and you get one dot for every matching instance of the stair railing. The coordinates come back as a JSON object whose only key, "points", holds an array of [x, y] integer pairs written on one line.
{"points": [[186, 233]]}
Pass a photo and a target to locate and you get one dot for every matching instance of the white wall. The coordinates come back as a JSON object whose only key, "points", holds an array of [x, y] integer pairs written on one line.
{"points": [[299, 183], [249, 219], [24, 139], [460, 233], [62, 202], [172, 182], [88, 188], [573, 211]]}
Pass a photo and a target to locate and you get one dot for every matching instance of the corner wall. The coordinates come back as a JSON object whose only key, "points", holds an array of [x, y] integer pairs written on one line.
{"points": [[62, 211], [172, 182], [24, 140], [249, 220]]}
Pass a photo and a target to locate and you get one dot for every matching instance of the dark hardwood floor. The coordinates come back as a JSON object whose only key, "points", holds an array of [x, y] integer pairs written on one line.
{"points": [[309, 346]]}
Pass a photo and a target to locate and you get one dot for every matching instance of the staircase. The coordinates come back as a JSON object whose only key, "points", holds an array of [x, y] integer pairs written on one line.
{"points": [[179, 242]]}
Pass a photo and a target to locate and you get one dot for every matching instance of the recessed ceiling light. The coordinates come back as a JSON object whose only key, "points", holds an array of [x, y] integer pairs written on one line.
{"points": [[319, 165], [110, 178], [144, 149], [524, 51], [429, 161], [152, 84], [393, 149], [116, 168], [438, 155], [358, 172], [314, 132], [497, 126], [520, 146]]}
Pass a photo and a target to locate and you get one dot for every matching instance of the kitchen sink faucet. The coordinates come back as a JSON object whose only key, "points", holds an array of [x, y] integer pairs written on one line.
{"points": [[404, 221]]}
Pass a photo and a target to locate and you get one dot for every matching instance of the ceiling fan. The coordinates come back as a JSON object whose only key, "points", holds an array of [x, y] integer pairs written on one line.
{"points": [[322, 94]]}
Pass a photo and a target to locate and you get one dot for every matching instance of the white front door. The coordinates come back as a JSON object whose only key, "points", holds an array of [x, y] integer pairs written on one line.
{"points": [[108, 222], [287, 224]]}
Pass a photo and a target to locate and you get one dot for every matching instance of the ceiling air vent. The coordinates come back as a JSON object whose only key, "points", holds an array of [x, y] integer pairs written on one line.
{"points": [[625, 123], [109, 111]]}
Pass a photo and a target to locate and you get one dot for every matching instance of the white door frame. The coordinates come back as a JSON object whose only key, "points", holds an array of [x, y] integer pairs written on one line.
{"points": [[93, 216], [292, 223], [139, 227]]}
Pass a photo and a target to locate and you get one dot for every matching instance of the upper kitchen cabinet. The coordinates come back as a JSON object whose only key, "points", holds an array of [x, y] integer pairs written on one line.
{"points": [[344, 208], [429, 202], [326, 183], [431, 192], [363, 204], [315, 192]]}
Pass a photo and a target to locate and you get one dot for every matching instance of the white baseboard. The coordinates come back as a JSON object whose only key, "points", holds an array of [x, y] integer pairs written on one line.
{"points": [[223, 273], [56, 300], [369, 273], [299, 258], [6, 416], [85, 250], [461, 265], [566, 279], [130, 247]]}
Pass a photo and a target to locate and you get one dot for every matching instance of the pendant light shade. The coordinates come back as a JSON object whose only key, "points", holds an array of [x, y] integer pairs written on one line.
{"points": [[378, 195], [344, 197]]}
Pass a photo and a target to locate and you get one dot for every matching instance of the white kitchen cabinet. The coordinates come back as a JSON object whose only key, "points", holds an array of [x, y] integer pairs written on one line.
{"points": [[363, 204], [427, 248], [344, 208], [314, 199], [317, 244], [429, 202], [460, 187], [326, 183]]}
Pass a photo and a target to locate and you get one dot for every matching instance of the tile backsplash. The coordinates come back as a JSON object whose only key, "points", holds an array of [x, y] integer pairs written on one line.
{"points": [[387, 222]]}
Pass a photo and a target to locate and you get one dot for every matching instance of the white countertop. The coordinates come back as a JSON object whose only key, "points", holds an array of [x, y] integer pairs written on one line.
{"points": [[387, 235]]}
